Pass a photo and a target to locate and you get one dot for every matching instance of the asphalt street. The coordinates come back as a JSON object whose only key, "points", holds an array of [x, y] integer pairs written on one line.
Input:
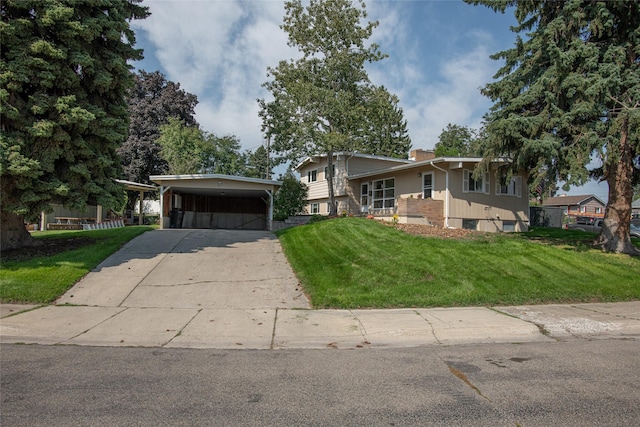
{"points": [[568, 383]]}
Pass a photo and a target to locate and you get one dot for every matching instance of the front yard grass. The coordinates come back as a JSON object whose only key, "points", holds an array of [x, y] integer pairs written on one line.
{"points": [[44, 278], [358, 263]]}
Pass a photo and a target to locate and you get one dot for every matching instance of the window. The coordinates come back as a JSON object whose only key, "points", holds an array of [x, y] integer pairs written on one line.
{"points": [[473, 185], [427, 185], [583, 209], [384, 193], [312, 176], [326, 171], [508, 226], [598, 210], [315, 208], [511, 188], [470, 224], [364, 197]]}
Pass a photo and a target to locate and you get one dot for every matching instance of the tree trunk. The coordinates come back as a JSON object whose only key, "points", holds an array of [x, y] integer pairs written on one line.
{"points": [[614, 236], [13, 234], [333, 209]]}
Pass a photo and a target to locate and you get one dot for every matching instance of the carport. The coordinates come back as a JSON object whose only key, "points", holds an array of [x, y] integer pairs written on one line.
{"points": [[216, 201]]}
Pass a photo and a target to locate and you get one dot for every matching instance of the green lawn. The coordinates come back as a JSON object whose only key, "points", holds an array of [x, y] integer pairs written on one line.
{"points": [[354, 262], [43, 279]]}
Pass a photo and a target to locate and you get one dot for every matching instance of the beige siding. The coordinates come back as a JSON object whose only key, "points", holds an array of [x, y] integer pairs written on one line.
{"points": [[347, 199], [491, 210]]}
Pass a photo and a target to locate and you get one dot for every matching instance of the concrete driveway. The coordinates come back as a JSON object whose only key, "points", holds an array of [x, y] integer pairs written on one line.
{"points": [[187, 269]]}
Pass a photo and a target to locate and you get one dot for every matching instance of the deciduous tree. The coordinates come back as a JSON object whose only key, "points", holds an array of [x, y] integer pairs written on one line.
{"points": [[64, 74], [183, 148], [324, 102], [151, 103], [569, 91], [454, 141]]}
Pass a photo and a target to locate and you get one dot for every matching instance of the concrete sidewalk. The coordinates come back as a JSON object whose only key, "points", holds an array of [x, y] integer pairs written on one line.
{"points": [[226, 289], [276, 328]]}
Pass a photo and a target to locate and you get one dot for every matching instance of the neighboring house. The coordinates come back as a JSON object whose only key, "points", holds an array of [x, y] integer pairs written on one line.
{"points": [[422, 190], [588, 205], [635, 208]]}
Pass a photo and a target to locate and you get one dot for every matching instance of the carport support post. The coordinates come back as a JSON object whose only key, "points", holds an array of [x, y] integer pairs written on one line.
{"points": [[163, 189], [270, 215]]}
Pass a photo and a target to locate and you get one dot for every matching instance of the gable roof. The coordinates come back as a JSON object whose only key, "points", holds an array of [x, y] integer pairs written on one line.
{"points": [[570, 200]]}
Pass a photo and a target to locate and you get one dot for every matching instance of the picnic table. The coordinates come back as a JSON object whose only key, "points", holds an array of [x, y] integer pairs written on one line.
{"points": [[73, 220]]}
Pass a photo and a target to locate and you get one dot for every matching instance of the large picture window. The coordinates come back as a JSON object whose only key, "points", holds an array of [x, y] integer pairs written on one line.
{"points": [[475, 185], [511, 188], [384, 195]]}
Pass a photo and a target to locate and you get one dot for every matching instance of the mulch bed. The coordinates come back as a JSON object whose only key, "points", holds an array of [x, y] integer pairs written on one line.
{"points": [[432, 231]]}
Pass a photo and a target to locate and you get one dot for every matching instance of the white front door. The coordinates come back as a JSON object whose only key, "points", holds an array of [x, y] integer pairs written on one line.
{"points": [[364, 198]]}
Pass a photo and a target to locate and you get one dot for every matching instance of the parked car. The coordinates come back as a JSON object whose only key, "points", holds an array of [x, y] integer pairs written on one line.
{"points": [[635, 229], [593, 225]]}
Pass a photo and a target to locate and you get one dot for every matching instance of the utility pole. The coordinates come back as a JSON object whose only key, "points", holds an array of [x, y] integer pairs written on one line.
{"points": [[268, 154]]}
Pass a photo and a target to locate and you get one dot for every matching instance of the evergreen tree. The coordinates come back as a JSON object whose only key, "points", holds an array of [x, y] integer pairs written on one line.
{"points": [[258, 164], [386, 129], [64, 74], [569, 91], [291, 198], [323, 102]]}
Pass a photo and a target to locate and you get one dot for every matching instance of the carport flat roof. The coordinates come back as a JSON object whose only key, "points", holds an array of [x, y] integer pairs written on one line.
{"points": [[217, 184]]}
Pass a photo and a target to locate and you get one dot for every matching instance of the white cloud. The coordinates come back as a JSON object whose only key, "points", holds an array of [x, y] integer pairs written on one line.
{"points": [[220, 51]]}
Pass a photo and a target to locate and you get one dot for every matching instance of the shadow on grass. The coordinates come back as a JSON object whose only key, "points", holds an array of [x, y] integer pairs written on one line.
{"points": [[580, 241]]}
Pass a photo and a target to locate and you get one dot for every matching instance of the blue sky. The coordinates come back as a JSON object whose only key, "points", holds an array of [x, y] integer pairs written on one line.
{"points": [[438, 59]]}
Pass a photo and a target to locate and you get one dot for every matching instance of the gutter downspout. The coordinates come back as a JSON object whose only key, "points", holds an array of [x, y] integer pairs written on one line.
{"points": [[446, 190]]}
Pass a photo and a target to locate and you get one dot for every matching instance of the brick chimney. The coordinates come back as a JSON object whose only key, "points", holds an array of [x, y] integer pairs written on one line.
{"points": [[419, 155]]}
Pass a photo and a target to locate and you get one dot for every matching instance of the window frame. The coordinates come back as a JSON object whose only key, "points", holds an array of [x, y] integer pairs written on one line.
{"points": [[467, 179], [326, 169], [430, 187], [513, 189], [312, 175], [382, 194], [509, 226], [315, 208]]}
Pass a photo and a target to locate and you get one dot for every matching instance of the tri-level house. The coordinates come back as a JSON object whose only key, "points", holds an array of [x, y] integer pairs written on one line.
{"points": [[424, 189]]}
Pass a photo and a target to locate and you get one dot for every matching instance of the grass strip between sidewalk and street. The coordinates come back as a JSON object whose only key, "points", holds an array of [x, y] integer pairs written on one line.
{"points": [[42, 279], [359, 263]]}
